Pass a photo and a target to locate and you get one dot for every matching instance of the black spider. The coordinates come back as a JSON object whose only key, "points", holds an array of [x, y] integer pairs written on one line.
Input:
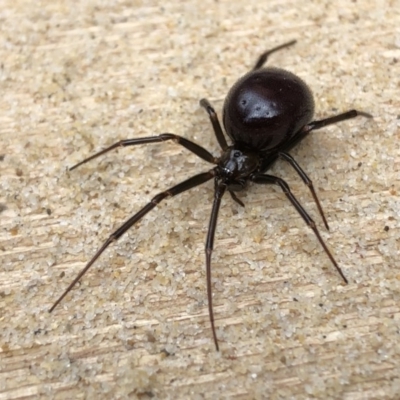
{"points": [[266, 113]]}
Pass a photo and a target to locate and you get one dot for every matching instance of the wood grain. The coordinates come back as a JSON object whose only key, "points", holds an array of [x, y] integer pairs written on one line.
{"points": [[75, 78]]}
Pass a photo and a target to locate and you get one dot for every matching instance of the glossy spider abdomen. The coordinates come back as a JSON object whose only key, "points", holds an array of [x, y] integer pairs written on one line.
{"points": [[267, 107]]}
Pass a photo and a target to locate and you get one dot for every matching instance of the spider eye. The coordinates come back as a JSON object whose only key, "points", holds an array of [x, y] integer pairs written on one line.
{"points": [[237, 154]]}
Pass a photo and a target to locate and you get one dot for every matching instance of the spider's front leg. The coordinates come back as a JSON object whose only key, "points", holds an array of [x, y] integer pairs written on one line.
{"points": [[180, 188], [163, 137]]}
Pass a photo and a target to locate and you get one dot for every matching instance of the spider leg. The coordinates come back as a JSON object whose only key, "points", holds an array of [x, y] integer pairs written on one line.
{"points": [[313, 125], [333, 120], [307, 181], [188, 144], [219, 192], [180, 188], [235, 198], [264, 56], [215, 123], [269, 179], [298, 137]]}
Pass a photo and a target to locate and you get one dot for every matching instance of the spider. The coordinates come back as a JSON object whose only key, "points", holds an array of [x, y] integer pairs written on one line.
{"points": [[267, 112]]}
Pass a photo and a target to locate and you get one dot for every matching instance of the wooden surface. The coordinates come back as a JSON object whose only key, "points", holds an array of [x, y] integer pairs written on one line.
{"points": [[75, 78]]}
